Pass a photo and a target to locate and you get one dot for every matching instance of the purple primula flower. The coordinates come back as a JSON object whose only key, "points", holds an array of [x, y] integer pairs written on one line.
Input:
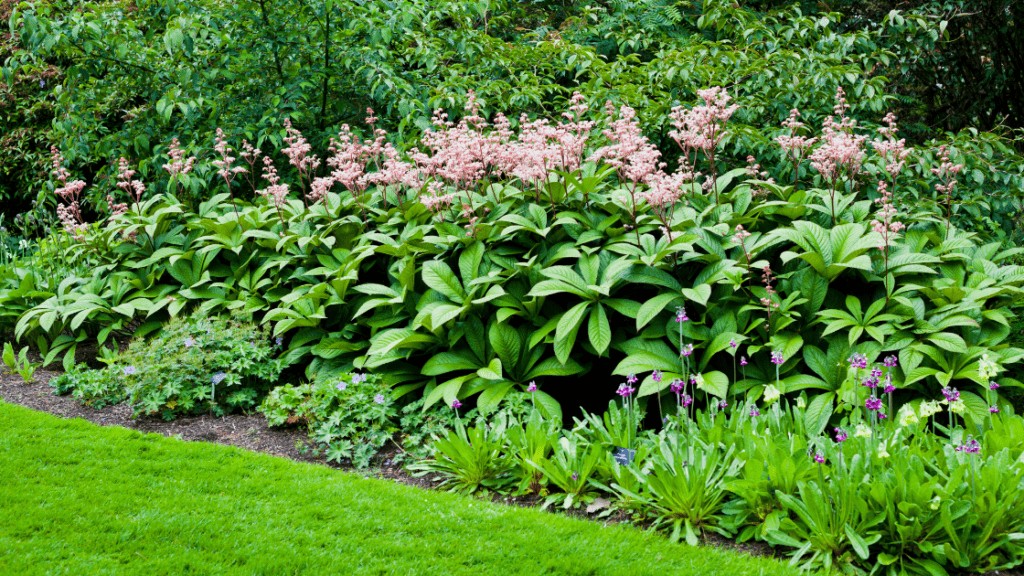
{"points": [[890, 361], [743, 360], [819, 458], [625, 390], [341, 386], [870, 382], [631, 379], [876, 372], [677, 385], [129, 370], [993, 385], [189, 342], [951, 394], [681, 315], [858, 361], [686, 350], [881, 415], [532, 387], [656, 376], [754, 412], [218, 378], [575, 476], [970, 447], [777, 358], [873, 404], [685, 400], [889, 388], [357, 378], [840, 435], [456, 404], [279, 340], [42, 83], [722, 404], [379, 398], [993, 409], [732, 343]]}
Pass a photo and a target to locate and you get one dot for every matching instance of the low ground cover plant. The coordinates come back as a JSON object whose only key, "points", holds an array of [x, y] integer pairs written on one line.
{"points": [[350, 417], [196, 364], [20, 363]]}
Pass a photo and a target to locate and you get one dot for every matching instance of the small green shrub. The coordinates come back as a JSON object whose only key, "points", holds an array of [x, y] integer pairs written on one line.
{"points": [[198, 364], [349, 417], [96, 388], [19, 364], [418, 426], [471, 460]]}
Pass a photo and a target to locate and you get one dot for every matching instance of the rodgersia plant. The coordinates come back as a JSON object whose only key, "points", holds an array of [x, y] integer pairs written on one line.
{"points": [[399, 250], [701, 129], [69, 211], [840, 152]]}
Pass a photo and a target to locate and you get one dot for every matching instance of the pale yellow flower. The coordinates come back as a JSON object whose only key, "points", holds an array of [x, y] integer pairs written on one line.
{"points": [[906, 415], [987, 369], [929, 408]]}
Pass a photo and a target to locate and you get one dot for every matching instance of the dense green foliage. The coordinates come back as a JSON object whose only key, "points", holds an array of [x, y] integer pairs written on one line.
{"points": [[974, 78], [134, 75], [26, 114], [540, 280], [86, 499]]}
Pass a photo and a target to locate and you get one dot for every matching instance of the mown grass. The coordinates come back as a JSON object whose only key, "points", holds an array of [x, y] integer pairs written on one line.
{"points": [[76, 498]]}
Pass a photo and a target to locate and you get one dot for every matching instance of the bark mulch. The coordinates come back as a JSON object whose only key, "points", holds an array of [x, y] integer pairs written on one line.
{"points": [[249, 431]]}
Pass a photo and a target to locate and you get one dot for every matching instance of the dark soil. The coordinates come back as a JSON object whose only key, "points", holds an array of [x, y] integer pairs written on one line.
{"points": [[249, 431]]}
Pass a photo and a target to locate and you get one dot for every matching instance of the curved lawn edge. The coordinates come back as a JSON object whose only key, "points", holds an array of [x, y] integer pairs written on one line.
{"points": [[83, 499]]}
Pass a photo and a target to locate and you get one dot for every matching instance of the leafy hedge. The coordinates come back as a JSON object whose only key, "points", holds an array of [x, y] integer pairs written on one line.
{"points": [[580, 272]]}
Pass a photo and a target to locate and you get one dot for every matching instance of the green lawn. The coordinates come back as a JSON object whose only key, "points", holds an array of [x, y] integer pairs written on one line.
{"points": [[77, 498]]}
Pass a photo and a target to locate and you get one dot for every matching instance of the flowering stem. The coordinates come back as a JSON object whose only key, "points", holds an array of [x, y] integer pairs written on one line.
{"points": [[629, 426], [232, 195], [636, 228], [832, 195]]}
